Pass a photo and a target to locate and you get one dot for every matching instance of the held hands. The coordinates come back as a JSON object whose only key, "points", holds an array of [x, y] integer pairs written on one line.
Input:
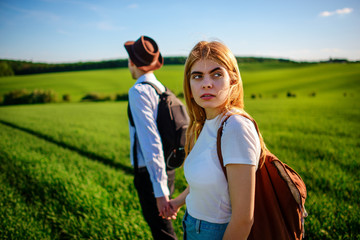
{"points": [[167, 208]]}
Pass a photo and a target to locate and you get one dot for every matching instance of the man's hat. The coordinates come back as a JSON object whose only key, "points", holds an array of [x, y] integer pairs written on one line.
{"points": [[144, 53]]}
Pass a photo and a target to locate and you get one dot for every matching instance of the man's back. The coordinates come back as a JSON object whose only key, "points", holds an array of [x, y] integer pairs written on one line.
{"points": [[153, 183]]}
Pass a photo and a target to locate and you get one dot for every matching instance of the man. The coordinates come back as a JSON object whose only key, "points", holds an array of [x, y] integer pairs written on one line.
{"points": [[153, 183]]}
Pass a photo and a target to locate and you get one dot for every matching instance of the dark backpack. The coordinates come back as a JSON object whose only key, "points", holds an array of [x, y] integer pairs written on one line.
{"points": [[172, 121], [280, 195]]}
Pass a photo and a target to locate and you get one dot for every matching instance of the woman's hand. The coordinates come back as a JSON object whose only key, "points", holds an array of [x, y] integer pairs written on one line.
{"points": [[162, 204], [174, 206], [171, 212]]}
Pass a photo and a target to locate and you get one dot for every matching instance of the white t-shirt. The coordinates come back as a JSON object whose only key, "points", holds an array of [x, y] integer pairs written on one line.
{"points": [[209, 198]]}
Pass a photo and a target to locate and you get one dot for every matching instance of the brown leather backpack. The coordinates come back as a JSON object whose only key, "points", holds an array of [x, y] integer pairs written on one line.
{"points": [[280, 195]]}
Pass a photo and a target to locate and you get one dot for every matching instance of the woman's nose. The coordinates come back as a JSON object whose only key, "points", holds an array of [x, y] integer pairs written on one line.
{"points": [[207, 83]]}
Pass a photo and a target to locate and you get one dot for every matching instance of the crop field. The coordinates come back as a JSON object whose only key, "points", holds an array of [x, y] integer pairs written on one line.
{"points": [[65, 171]]}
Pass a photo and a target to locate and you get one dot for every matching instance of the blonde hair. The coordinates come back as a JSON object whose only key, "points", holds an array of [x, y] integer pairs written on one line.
{"points": [[219, 53]]}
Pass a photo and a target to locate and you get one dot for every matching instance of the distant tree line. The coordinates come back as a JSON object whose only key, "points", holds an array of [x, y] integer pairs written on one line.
{"points": [[13, 67], [24, 96], [261, 60], [25, 67]]}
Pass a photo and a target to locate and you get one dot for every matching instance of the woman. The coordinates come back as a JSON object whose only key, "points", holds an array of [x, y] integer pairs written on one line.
{"points": [[217, 208]]}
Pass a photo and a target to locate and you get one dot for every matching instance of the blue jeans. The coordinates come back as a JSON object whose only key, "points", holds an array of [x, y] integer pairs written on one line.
{"points": [[195, 229]]}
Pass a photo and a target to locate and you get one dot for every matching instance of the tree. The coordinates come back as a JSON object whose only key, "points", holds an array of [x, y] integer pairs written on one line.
{"points": [[5, 69]]}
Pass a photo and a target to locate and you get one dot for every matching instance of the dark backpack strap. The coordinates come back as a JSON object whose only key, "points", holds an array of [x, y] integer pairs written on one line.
{"points": [[136, 164], [131, 120], [154, 86], [129, 109]]}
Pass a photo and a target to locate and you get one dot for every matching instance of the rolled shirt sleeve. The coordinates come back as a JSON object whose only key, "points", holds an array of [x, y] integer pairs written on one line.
{"points": [[143, 102]]}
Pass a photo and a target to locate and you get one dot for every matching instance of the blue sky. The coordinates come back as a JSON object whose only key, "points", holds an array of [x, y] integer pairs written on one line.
{"points": [[93, 30]]}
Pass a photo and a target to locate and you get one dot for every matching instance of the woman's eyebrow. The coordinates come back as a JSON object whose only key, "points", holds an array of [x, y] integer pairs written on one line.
{"points": [[215, 69], [195, 72]]}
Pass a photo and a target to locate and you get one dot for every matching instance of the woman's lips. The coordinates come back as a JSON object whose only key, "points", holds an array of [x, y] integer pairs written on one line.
{"points": [[207, 96]]}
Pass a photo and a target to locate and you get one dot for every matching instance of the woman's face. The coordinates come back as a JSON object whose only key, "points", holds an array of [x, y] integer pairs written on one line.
{"points": [[210, 85]]}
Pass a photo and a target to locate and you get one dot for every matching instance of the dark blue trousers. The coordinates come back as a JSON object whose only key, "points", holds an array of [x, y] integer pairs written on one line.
{"points": [[161, 229]]}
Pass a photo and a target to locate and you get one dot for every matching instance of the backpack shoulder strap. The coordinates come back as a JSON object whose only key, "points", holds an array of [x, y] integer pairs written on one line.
{"points": [[154, 86], [129, 110], [133, 124], [218, 145], [218, 139]]}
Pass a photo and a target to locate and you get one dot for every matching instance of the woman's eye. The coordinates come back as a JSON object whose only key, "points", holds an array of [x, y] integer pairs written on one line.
{"points": [[218, 74], [196, 76]]}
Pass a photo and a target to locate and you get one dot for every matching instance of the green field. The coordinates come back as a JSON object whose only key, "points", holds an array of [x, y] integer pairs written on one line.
{"points": [[266, 79], [65, 171]]}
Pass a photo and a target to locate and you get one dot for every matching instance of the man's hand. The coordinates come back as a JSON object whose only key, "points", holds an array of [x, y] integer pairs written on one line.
{"points": [[165, 208], [162, 204]]}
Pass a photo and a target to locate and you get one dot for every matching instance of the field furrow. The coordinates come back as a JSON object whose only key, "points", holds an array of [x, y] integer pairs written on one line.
{"points": [[76, 197]]}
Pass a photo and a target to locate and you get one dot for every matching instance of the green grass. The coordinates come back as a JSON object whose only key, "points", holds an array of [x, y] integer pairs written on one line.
{"points": [[65, 171], [72, 196], [324, 79], [78, 84], [267, 79]]}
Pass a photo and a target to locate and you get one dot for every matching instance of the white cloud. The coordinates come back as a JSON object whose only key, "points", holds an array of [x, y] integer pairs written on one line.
{"points": [[344, 11], [338, 12], [326, 14]]}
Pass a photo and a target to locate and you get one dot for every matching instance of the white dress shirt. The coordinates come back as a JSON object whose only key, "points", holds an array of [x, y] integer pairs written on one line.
{"points": [[143, 101]]}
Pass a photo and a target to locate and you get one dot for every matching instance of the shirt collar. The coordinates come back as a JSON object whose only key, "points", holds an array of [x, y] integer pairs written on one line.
{"points": [[147, 77]]}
